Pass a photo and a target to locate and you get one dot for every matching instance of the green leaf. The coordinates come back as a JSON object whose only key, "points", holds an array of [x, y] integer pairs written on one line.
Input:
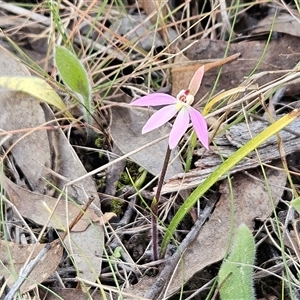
{"points": [[117, 252], [75, 78], [235, 275], [222, 169], [35, 87], [72, 72], [296, 204]]}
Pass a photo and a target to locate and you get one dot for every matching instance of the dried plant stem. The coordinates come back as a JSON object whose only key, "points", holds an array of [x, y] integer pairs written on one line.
{"points": [[154, 205]]}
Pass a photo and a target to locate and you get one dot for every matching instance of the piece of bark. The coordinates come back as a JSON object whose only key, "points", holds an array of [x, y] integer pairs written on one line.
{"points": [[227, 144]]}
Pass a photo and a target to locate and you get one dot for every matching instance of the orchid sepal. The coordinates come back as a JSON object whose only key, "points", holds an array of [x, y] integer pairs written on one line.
{"points": [[159, 118], [155, 99]]}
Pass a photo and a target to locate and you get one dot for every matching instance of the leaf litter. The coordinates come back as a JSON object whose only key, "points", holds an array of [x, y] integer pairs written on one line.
{"points": [[32, 154], [49, 211], [15, 266], [253, 202]]}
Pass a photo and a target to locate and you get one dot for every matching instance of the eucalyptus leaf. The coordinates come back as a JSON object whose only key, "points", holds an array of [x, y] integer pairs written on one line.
{"points": [[35, 87]]}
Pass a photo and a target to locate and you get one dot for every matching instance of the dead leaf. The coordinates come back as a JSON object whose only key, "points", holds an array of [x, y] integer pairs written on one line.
{"points": [[184, 69], [13, 257], [45, 267], [33, 156], [17, 253], [106, 217], [38, 208], [281, 54], [68, 294], [86, 249], [21, 111], [154, 6], [130, 27], [160, 9], [284, 23], [36, 87]]}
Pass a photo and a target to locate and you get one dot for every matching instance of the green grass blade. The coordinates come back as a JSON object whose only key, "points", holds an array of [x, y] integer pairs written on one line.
{"points": [[222, 169]]}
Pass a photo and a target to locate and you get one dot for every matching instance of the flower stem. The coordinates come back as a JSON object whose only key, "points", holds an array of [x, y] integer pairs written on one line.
{"points": [[154, 205]]}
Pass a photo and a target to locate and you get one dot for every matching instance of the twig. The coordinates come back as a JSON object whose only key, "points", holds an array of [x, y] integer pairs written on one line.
{"points": [[28, 269], [25, 12], [78, 217]]}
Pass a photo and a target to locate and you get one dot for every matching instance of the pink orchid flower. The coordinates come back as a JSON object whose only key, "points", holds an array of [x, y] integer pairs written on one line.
{"points": [[181, 105]]}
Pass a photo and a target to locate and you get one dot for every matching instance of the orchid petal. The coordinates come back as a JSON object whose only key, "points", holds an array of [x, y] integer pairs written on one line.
{"points": [[200, 126], [179, 127], [159, 118], [196, 81], [154, 99]]}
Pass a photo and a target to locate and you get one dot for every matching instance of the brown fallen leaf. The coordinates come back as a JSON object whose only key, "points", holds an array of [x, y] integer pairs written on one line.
{"points": [[13, 256], [158, 6], [38, 208], [34, 159], [19, 110], [284, 23], [45, 266], [68, 294], [184, 69]]}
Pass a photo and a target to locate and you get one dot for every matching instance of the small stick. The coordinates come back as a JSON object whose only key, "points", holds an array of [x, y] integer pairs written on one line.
{"points": [[28, 269], [78, 217], [208, 64]]}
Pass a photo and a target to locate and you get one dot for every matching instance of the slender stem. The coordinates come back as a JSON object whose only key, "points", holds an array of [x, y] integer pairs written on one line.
{"points": [[154, 205]]}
